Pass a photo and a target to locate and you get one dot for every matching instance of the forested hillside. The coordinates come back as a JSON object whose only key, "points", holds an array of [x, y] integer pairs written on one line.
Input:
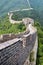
{"points": [[11, 5], [40, 44], [29, 13], [6, 27]]}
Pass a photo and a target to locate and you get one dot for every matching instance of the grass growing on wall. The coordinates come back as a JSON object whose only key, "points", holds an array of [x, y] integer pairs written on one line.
{"points": [[31, 58]]}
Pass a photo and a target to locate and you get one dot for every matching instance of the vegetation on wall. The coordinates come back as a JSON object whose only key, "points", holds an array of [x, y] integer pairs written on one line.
{"points": [[31, 58]]}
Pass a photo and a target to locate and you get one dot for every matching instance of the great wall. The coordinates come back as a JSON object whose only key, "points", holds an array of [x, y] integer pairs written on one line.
{"points": [[15, 49]]}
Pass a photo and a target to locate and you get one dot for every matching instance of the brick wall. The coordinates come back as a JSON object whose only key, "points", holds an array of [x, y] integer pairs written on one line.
{"points": [[10, 54]]}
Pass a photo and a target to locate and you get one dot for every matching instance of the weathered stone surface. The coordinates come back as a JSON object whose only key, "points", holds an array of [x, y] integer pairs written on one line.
{"points": [[15, 53]]}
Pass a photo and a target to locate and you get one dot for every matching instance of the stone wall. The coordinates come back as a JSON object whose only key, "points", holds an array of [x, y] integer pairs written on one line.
{"points": [[6, 37], [16, 54], [10, 54]]}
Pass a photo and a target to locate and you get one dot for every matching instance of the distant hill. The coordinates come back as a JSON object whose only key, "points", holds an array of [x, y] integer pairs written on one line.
{"points": [[37, 4], [11, 5], [38, 7]]}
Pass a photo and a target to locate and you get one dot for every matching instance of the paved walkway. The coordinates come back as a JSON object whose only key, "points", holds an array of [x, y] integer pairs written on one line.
{"points": [[35, 51], [32, 31], [11, 20]]}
